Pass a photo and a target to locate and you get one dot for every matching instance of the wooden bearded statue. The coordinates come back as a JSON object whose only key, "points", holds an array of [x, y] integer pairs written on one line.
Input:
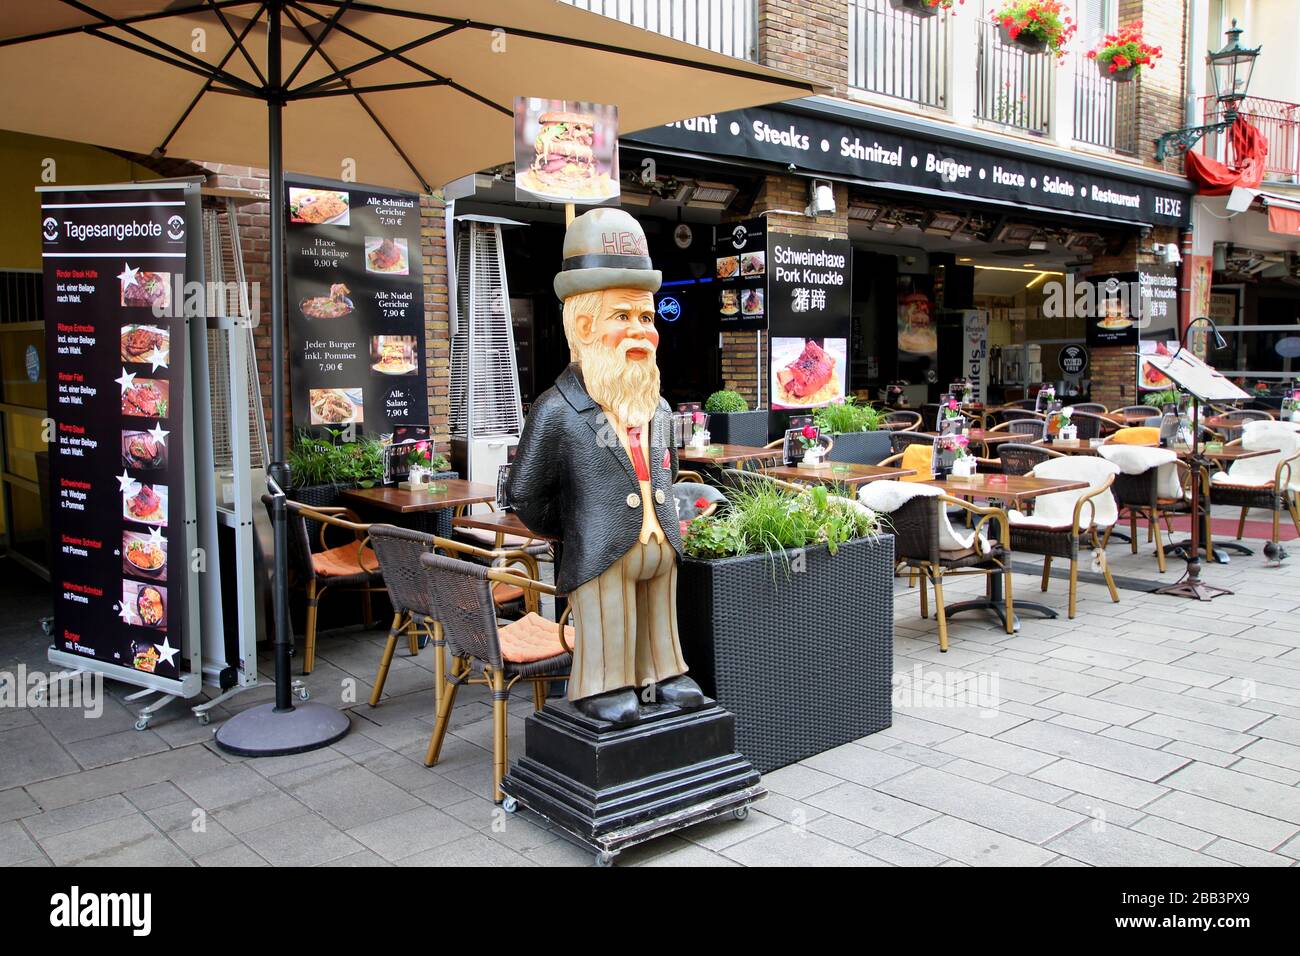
{"points": [[594, 468]]}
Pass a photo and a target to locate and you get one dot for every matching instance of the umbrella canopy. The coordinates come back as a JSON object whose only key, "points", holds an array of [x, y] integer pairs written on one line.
{"points": [[410, 93]]}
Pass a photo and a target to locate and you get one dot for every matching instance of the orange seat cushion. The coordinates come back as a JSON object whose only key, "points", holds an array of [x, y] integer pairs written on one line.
{"points": [[343, 561], [505, 593], [1142, 435], [532, 638], [920, 458]]}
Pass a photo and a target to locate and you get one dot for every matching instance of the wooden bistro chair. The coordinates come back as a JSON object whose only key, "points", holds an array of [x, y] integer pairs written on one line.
{"points": [[399, 551], [925, 541], [1061, 522], [1271, 482], [349, 566], [532, 649]]}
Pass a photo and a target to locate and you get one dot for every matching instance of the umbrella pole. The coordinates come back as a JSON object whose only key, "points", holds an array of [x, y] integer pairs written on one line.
{"points": [[270, 730]]}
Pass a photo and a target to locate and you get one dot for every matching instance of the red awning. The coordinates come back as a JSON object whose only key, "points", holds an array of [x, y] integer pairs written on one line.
{"points": [[1283, 220]]}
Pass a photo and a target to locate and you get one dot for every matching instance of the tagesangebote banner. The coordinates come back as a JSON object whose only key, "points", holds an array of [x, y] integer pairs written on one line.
{"points": [[115, 268], [355, 306]]}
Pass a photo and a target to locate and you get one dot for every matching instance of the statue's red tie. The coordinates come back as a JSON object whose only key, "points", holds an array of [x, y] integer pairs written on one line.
{"points": [[638, 457]]}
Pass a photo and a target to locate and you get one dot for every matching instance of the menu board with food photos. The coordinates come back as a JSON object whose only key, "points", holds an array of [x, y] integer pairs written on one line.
{"points": [[355, 306], [740, 273], [117, 261]]}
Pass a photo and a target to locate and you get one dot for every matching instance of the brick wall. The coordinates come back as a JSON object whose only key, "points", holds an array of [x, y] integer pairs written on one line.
{"points": [[254, 221], [809, 38], [1160, 90], [782, 198]]}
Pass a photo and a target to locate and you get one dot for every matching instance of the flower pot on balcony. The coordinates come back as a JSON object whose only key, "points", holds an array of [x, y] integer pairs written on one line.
{"points": [[1125, 75], [918, 8], [1028, 42]]}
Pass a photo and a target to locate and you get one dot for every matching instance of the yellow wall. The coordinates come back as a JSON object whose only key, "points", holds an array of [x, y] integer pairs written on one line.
{"points": [[21, 168]]}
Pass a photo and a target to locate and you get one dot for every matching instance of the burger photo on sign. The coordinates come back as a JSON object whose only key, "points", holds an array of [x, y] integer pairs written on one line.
{"points": [[566, 154]]}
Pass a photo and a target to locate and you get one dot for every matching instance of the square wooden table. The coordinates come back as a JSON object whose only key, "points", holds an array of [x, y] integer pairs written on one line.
{"points": [[1014, 489], [499, 523], [454, 493], [839, 473], [725, 455], [1070, 446]]}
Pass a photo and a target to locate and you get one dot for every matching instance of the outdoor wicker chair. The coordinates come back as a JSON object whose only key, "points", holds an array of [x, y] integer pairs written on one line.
{"points": [[1090, 425], [921, 529], [1270, 482], [902, 420], [1242, 415], [1034, 428], [1020, 459], [351, 566], [1063, 521], [531, 649], [695, 499], [898, 441], [399, 551], [1095, 408], [1140, 496]]}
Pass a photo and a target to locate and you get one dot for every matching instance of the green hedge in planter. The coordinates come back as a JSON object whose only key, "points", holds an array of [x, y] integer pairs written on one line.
{"points": [[732, 423]]}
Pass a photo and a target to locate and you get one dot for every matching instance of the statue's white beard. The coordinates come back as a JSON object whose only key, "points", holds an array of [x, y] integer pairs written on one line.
{"points": [[628, 389]]}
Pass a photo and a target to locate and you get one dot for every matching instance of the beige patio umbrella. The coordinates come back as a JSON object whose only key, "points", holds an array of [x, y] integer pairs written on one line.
{"points": [[406, 93]]}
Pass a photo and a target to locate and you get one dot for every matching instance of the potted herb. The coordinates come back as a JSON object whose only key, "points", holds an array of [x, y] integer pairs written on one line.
{"points": [[1122, 54], [1168, 396], [732, 423], [786, 614], [924, 8], [858, 432], [1036, 26], [320, 465]]}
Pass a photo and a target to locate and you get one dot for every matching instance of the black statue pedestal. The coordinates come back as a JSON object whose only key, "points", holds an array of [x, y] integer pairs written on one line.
{"points": [[614, 787]]}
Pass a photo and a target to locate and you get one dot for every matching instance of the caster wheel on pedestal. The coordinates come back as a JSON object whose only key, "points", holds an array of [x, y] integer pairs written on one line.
{"points": [[509, 804], [740, 813], [604, 859], [204, 719], [142, 723]]}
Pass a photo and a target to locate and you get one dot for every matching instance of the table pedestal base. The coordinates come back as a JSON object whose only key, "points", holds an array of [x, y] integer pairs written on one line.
{"points": [[996, 603], [1191, 586]]}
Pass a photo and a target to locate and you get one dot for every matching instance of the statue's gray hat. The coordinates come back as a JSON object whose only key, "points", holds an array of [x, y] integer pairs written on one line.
{"points": [[605, 249]]}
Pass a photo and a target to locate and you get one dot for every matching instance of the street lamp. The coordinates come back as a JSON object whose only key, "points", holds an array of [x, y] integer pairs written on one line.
{"points": [[1231, 68]]}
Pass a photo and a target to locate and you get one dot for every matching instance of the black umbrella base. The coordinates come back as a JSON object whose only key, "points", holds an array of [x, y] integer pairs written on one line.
{"points": [[262, 732], [613, 787]]}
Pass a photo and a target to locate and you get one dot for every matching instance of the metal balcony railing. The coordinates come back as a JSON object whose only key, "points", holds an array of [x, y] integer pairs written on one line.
{"points": [[896, 53], [1278, 120], [1105, 112], [1014, 88], [724, 26]]}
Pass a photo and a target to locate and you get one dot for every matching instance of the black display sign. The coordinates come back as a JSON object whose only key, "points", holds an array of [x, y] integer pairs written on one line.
{"points": [[1073, 359], [116, 269], [355, 306], [808, 304], [740, 267], [818, 145], [1121, 307]]}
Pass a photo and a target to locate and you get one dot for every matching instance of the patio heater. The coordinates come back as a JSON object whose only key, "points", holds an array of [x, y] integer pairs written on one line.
{"points": [[1231, 69]]}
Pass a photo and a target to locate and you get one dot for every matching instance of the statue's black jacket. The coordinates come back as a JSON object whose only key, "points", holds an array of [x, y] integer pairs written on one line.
{"points": [[572, 480]]}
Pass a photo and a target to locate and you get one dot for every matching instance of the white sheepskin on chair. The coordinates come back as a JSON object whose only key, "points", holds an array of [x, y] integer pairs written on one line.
{"points": [[1137, 459], [886, 497], [1258, 472], [1057, 510]]}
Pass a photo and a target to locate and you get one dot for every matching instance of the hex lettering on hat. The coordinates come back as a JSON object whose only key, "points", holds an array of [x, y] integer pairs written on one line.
{"points": [[624, 243]]}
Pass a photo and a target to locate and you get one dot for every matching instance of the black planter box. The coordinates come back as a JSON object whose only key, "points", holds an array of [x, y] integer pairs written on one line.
{"points": [[803, 659], [861, 448], [739, 428], [917, 8]]}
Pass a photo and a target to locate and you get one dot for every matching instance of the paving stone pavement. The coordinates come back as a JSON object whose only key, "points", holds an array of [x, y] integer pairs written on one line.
{"points": [[1155, 731]]}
